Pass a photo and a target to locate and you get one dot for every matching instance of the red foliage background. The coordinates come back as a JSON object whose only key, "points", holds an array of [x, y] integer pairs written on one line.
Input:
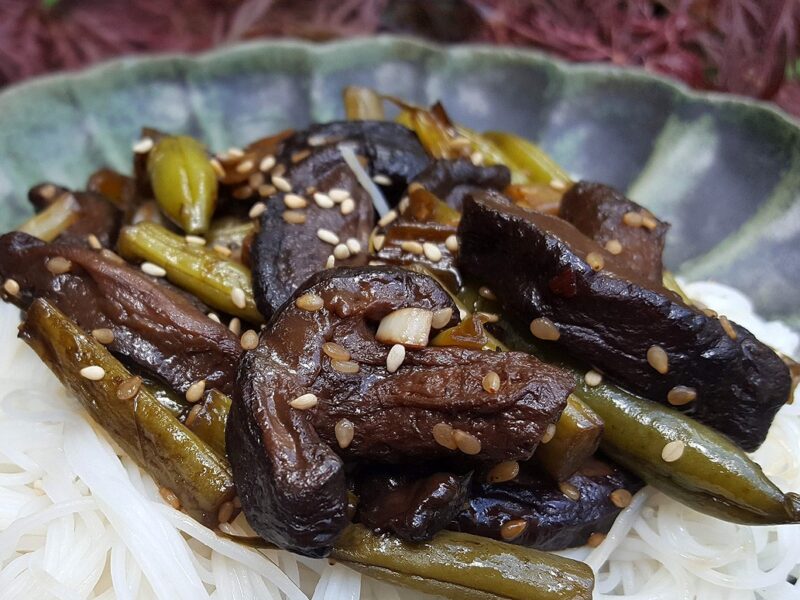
{"points": [[749, 47]]}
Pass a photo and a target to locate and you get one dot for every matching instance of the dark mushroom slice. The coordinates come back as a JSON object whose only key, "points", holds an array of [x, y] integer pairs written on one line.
{"points": [[139, 319], [411, 506], [536, 511], [571, 291], [451, 180], [318, 390], [617, 223]]}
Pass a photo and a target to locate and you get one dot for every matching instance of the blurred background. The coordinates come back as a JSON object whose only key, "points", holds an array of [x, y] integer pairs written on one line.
{"points": [[748, 47]]}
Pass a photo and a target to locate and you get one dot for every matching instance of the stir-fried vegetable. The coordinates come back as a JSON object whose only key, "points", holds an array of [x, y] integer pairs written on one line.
{"points": [[53, 220], [525, 156], [362, 103], [209, 418]]}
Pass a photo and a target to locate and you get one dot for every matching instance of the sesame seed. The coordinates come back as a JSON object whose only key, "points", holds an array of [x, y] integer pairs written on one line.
{"points": [[387, 218], [256, 180], [310, 302], [513, 529], [596, 539], [294, 201], [103, 335], [265, 190], [169, 497], [327, 236], [234, 152], [412, 247], [476, 158], [294, 217], [341, 252], [338, 194], [632, 219], [300, 155], [673, 451], [266, 163], [402, 206], [348, 206], [557, 184], [727, 327], [249, 340], [257, 210], [317, 140], [196, 391], [382, 179], [242, 192], [378, 241], [544, 329], [128, 389], [219, 170], [466, 442], [93, 373], [488, 317], [225, 512], [47, 191], [335, 351], [345, 431], [613, 247], [304, 402], [94, 242], [595, 261], [238, 297], [649, 222], [681, 394], [58, 265], [348, 367], [278, 170], [441, 317], [504, 471], [223, 251], [323, 200], [570, 491], [621, 498], [330, 262], [485, 292], [192, 416], [281, 183], [235, 326], [214, 317], [549, 433], [245, 166], [443, 435], [353, 245], [451, 243], [195, 240], [491, 382], [143, 146], [432, 252], [658, 359], [112, 256], [153, 269], [395, 357], [593, 378]]}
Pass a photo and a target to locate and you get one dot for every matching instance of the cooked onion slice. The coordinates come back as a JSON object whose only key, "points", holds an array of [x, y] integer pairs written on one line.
{"points": [[407, 326]]}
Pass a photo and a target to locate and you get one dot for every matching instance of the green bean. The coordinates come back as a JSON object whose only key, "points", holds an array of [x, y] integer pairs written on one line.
{"points": [[529, 158], [219, 282], [53, 220], [209, 422]]}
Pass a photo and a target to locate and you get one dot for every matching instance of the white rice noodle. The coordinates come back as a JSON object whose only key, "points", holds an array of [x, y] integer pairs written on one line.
{"points": [[79, 519], [378, 201]]}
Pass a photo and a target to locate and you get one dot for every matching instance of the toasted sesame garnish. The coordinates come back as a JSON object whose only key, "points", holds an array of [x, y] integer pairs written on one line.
{"points": [[266, 163], [245, 167], [593, 378], [395, 357], [681, 394], [330, 262], [192, 416], [94, 242], [281, 183], [382, 179], [235, 326], [353, 245], [613, 246], [317, 140], [557, 184], [243, 192], [47, 191], [727, 327], [323, 200], [595, 261], [143, 146], [378, 241], [265, 190], [402, 206], [294, 201], [195, 240], [549, 433], [491, 382], [658, 359], [488, 317], [513, 529], [632, 219], [294, 217], [304, 402], [451, 243], [466, 442], [300, 155], [443, 435], [214, 317], [485, 292], [441, 317], [673, 451], [219, 170], [223, 251], [327, 236], [348, 206], [621, 498], [341, 252], [278, 170], [153, 270], [476, 158], [169, 497], [432, 252], [257, 210], [347, 367], [570, 491], [504, 471], [233, 153], [238, 297], [387, 218], [249, 340], [196, 391], [596, 539], [103, 335], [412, 247], [58, 265], [310, 302], [544, 329], [338, 194], [225, 512], [128, 389], [256, 180], [649, 222], [345, 431], [93, 373], [335, 351], [112, 256]]}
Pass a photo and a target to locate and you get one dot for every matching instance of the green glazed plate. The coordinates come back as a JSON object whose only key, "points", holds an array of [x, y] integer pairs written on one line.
{"points": [[724, 171]]}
